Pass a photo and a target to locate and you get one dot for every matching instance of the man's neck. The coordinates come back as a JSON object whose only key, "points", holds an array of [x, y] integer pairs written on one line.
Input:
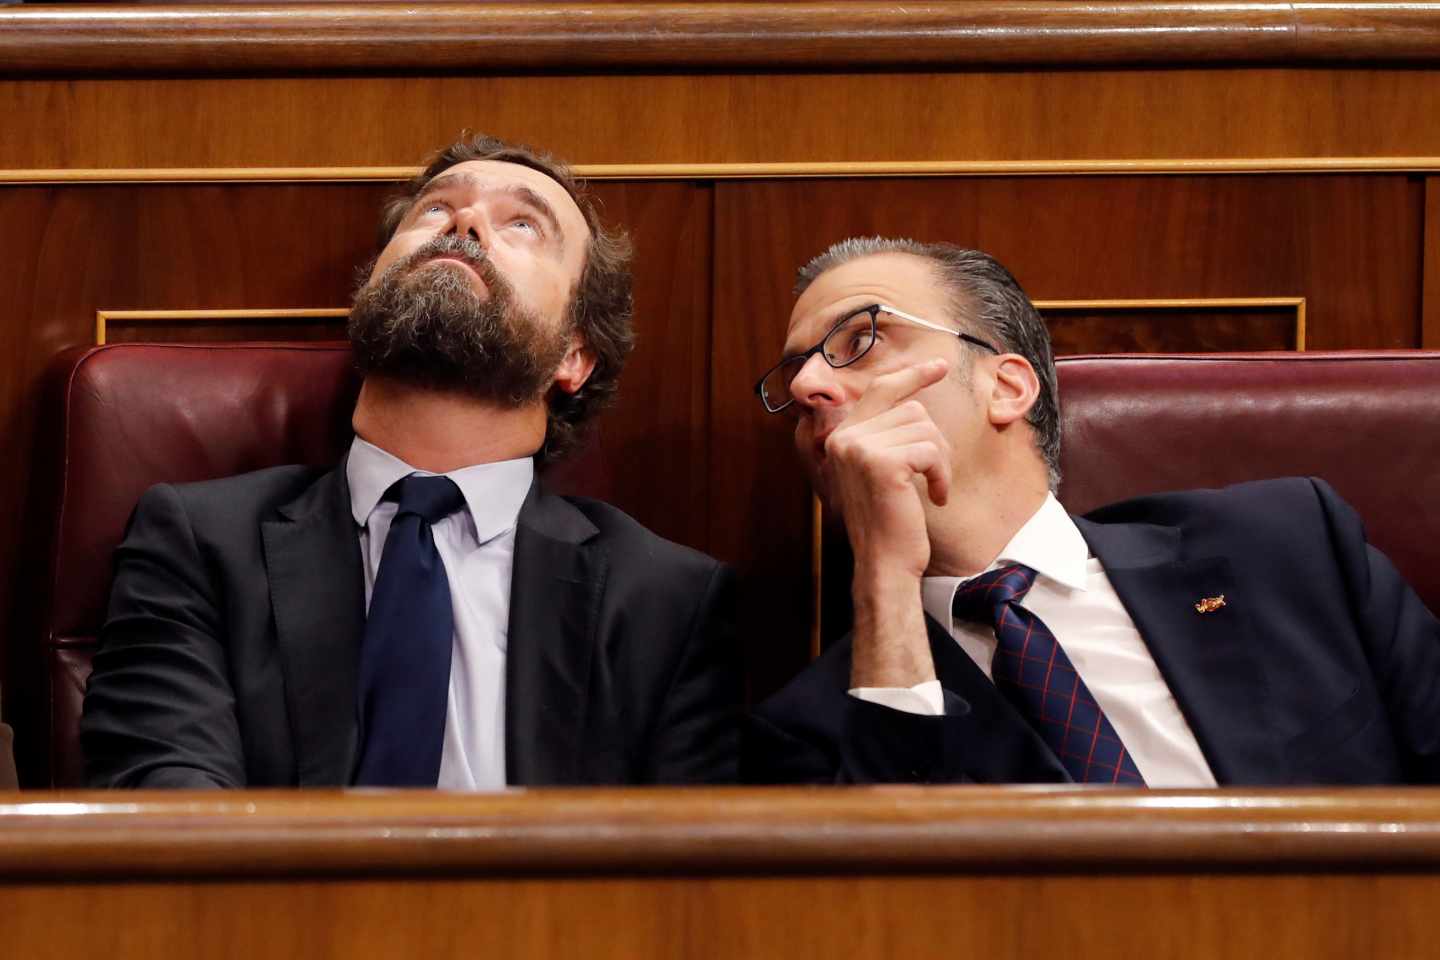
{"points": [[969, 532], [440, 432]]}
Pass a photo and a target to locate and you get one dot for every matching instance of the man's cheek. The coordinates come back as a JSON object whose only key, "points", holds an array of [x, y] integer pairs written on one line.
{"points": [[811, 459]]}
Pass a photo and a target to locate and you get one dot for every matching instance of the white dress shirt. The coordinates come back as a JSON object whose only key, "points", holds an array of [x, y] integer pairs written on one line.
{"points": [[1073, 597], [477, 547]]}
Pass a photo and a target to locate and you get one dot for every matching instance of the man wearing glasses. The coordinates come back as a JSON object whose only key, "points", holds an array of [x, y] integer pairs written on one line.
{"points": [[998, 639]]}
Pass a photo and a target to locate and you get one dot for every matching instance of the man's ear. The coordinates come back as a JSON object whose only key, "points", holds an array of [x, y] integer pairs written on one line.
{"points": [[576, 368], [1014, 390]]}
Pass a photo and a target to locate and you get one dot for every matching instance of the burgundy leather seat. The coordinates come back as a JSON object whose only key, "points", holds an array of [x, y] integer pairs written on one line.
{"points": [[128, 416], [121, 418], [1369, 423]]}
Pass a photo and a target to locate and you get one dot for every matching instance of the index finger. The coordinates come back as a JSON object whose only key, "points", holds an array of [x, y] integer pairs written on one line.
{"points": [[890, 389]]}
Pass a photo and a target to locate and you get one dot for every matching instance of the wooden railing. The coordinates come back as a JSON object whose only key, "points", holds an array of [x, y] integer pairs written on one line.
{"points": [[67, 836], [863, 872], [580, 37]]}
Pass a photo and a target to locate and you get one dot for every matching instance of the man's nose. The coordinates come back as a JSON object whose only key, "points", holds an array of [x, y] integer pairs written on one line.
{"points": [[815, 383], [470, 222]]}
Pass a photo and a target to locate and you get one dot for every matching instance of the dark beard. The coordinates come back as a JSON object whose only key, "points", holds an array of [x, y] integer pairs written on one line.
{"points": [[426, 326]]}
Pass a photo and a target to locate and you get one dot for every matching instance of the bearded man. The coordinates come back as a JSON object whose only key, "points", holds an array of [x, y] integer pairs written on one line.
{"points": [[425, 613]]}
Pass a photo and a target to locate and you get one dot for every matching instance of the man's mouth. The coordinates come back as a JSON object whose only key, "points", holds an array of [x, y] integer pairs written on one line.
{"points": [[454, 258], [475, 270]]}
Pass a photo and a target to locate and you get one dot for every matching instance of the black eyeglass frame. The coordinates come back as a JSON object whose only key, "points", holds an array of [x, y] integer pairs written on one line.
{"points": [[874, 310]]}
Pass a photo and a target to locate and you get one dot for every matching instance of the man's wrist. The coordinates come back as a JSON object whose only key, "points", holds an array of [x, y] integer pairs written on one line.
{"points": [[891, 647], [883, 586]]}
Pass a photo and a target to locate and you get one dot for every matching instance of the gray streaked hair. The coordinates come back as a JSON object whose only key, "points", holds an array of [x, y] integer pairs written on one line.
{"points": [[987, 302]]}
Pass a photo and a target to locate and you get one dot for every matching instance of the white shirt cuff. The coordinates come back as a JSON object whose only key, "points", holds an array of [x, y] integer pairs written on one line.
{"points": [[926, 698]]}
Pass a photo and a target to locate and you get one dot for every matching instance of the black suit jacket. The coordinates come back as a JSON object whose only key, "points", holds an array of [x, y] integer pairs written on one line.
{"points": [[230, 654], [1322, 667]]}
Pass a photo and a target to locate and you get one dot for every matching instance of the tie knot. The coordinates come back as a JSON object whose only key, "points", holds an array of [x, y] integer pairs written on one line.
{"points": [[980, 599], [432, 499]]}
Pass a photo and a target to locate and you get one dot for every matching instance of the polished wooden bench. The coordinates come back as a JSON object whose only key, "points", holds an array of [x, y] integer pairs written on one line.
{"points": [[854, 872]]}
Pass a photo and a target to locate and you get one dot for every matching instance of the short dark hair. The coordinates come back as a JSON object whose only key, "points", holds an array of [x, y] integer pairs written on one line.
{"points": [[989, 303], [601, 306]]}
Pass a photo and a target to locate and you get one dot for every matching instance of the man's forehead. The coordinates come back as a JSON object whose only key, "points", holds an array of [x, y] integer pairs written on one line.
{"points": [[900, 279], [502, 175]]}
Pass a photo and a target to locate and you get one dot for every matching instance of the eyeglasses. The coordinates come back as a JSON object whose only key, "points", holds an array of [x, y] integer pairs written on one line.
{"points": [[849, 340]]}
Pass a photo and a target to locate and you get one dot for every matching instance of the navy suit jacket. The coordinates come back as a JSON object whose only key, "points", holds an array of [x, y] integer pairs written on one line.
{"points": [[230, 654], [1323, 667]]}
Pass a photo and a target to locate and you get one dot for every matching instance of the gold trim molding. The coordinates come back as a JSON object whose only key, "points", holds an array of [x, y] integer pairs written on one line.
{"points": [[104, 317], [751, 171]]}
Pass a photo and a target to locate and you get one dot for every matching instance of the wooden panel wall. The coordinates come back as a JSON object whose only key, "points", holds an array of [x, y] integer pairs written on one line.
{"points": [[1300, 915], [1252, 117]]}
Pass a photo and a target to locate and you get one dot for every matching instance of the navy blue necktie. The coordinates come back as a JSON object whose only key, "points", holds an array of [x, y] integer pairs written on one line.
{"points": [[405, 652], [1033, 672]]}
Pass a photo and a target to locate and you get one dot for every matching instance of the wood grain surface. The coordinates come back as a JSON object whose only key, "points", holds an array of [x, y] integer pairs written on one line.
{"points": [[858, 872], [1190, 114], [715, 831], [1430, 307], [504, 37], [1204, 917]]}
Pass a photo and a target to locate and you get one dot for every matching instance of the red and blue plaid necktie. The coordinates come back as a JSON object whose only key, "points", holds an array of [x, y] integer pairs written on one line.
{"points": [[1037, 677]]}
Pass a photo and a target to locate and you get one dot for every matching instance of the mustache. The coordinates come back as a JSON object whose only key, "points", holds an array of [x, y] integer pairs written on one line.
{"points": [[465, 249]]}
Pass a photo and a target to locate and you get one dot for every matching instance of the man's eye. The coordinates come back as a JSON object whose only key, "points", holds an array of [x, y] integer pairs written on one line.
{"points": [[430, 208], [526, 224]]}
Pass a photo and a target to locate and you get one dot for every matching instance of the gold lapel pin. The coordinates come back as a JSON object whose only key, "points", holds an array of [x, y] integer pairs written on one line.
{"points": [[1210, 604]]}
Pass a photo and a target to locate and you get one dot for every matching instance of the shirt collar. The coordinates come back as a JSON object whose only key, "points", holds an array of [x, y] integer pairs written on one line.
{"points": [[493, 492], [1048, 543]]}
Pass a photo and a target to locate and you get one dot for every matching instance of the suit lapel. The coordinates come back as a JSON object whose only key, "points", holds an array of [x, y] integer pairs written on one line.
{"points": [[556, 585], [1207, 659], [317, 592]]}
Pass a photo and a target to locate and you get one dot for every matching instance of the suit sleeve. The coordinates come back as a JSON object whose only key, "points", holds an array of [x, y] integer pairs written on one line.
{"points": [[159, 710], [1401, 635], [697, 738], [790, 739]]}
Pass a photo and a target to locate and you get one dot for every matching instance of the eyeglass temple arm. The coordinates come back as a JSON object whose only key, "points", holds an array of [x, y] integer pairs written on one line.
{"points": [[896, 312]]}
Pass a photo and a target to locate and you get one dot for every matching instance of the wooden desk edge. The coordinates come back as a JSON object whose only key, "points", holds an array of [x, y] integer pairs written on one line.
{"points": [[719, 831]]}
